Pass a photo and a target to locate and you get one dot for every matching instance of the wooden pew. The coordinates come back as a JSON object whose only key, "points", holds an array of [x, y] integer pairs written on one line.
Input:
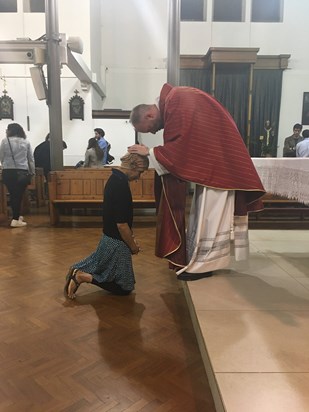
{"points": [[38, 186], [84, 188], [37, 189]]}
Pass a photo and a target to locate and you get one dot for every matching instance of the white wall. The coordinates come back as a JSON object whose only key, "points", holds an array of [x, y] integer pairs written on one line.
{"points": [[95, 47], [131, 49], [134, 56], [74, 21], [288, 37], [134, 50]]}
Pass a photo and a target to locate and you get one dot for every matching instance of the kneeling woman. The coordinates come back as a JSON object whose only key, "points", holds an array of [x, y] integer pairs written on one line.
{"points": [[110, 266]]}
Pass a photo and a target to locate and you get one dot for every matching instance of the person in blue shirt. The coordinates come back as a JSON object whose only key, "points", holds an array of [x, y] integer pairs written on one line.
{"points": [[99, 135], [302, 148]]}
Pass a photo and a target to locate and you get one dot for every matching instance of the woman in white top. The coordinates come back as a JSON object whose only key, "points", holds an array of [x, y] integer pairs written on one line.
{"points": [[94, 154], [16, 154]]}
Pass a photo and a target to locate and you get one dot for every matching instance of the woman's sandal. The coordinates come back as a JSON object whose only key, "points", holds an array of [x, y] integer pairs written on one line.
{"points": [[71, 276]]}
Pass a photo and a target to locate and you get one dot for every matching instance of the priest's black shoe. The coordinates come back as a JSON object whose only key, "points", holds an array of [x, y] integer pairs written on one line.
{"points": [[193, 276]]}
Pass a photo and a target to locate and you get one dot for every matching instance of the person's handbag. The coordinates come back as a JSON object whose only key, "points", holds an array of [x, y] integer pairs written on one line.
{"points": [[23, 175]]}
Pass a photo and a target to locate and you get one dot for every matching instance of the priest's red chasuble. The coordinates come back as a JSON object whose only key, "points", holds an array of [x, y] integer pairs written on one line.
{"points": [[201, 145]]}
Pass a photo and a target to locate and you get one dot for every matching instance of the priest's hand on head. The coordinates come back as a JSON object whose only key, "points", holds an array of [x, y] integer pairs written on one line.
{"points": [[140, 149]]}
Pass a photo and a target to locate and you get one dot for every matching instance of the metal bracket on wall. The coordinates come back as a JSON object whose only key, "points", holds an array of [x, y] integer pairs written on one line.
{"points": [[25, 51]]}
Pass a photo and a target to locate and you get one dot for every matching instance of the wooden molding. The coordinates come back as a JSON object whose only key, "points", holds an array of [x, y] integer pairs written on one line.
{"points": [[231, 55], [192, 62], [273, 62], [111, 114]]}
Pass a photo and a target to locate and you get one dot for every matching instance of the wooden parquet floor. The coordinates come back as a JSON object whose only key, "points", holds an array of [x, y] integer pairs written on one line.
{"points": [[101, 352]]}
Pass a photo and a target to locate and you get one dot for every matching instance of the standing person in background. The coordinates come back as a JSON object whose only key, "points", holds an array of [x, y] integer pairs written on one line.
{"points": [[268, 141], [289, 148], [94, 154], [302, 148], [110, 266], [16, 154], [99, 135], [42, 155], [201, 145]]}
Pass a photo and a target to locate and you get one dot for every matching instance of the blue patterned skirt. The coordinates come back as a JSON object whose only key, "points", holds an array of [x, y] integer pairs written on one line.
{"points": [[111, 262]]}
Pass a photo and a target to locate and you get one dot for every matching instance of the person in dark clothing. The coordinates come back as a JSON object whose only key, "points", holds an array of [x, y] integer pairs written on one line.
{"points": [[110, 266], [216, 160], [289, 148], [42, 155], [268, 140], [16, 156]]}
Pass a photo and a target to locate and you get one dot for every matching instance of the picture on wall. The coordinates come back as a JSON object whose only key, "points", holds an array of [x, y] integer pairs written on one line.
{"points": [[305, 115], [76, 107], [6, 107]]}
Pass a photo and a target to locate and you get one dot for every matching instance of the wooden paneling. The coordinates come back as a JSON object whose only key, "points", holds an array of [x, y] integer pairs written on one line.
{"points": [[87, 185]]}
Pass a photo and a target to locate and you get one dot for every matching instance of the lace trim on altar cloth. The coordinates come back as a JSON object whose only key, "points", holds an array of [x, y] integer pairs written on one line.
{"points": [[285, 177]]}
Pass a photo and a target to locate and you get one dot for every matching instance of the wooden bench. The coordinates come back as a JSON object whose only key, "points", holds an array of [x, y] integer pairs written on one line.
{"points": [[280, 212], [35, 191], [37, 186], [84, 188]]}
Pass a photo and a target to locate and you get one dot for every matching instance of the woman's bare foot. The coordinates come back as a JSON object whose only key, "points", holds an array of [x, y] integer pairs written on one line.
{"points": [[73, 280]]}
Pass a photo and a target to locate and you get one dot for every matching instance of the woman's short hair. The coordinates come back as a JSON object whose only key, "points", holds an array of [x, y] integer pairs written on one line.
{"points": [[134, 161]]}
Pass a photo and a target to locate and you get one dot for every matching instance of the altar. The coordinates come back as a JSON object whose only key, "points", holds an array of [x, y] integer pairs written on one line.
{"points": [[287, 177]]}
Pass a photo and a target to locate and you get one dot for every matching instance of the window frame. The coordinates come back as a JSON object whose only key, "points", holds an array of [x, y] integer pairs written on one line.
{"points": [[204, 11], [27, 7], [243, 13], [12, 3], [280, 12]]}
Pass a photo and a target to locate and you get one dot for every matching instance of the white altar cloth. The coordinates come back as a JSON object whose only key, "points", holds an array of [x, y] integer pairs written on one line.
{"points": [[288, 177]]}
